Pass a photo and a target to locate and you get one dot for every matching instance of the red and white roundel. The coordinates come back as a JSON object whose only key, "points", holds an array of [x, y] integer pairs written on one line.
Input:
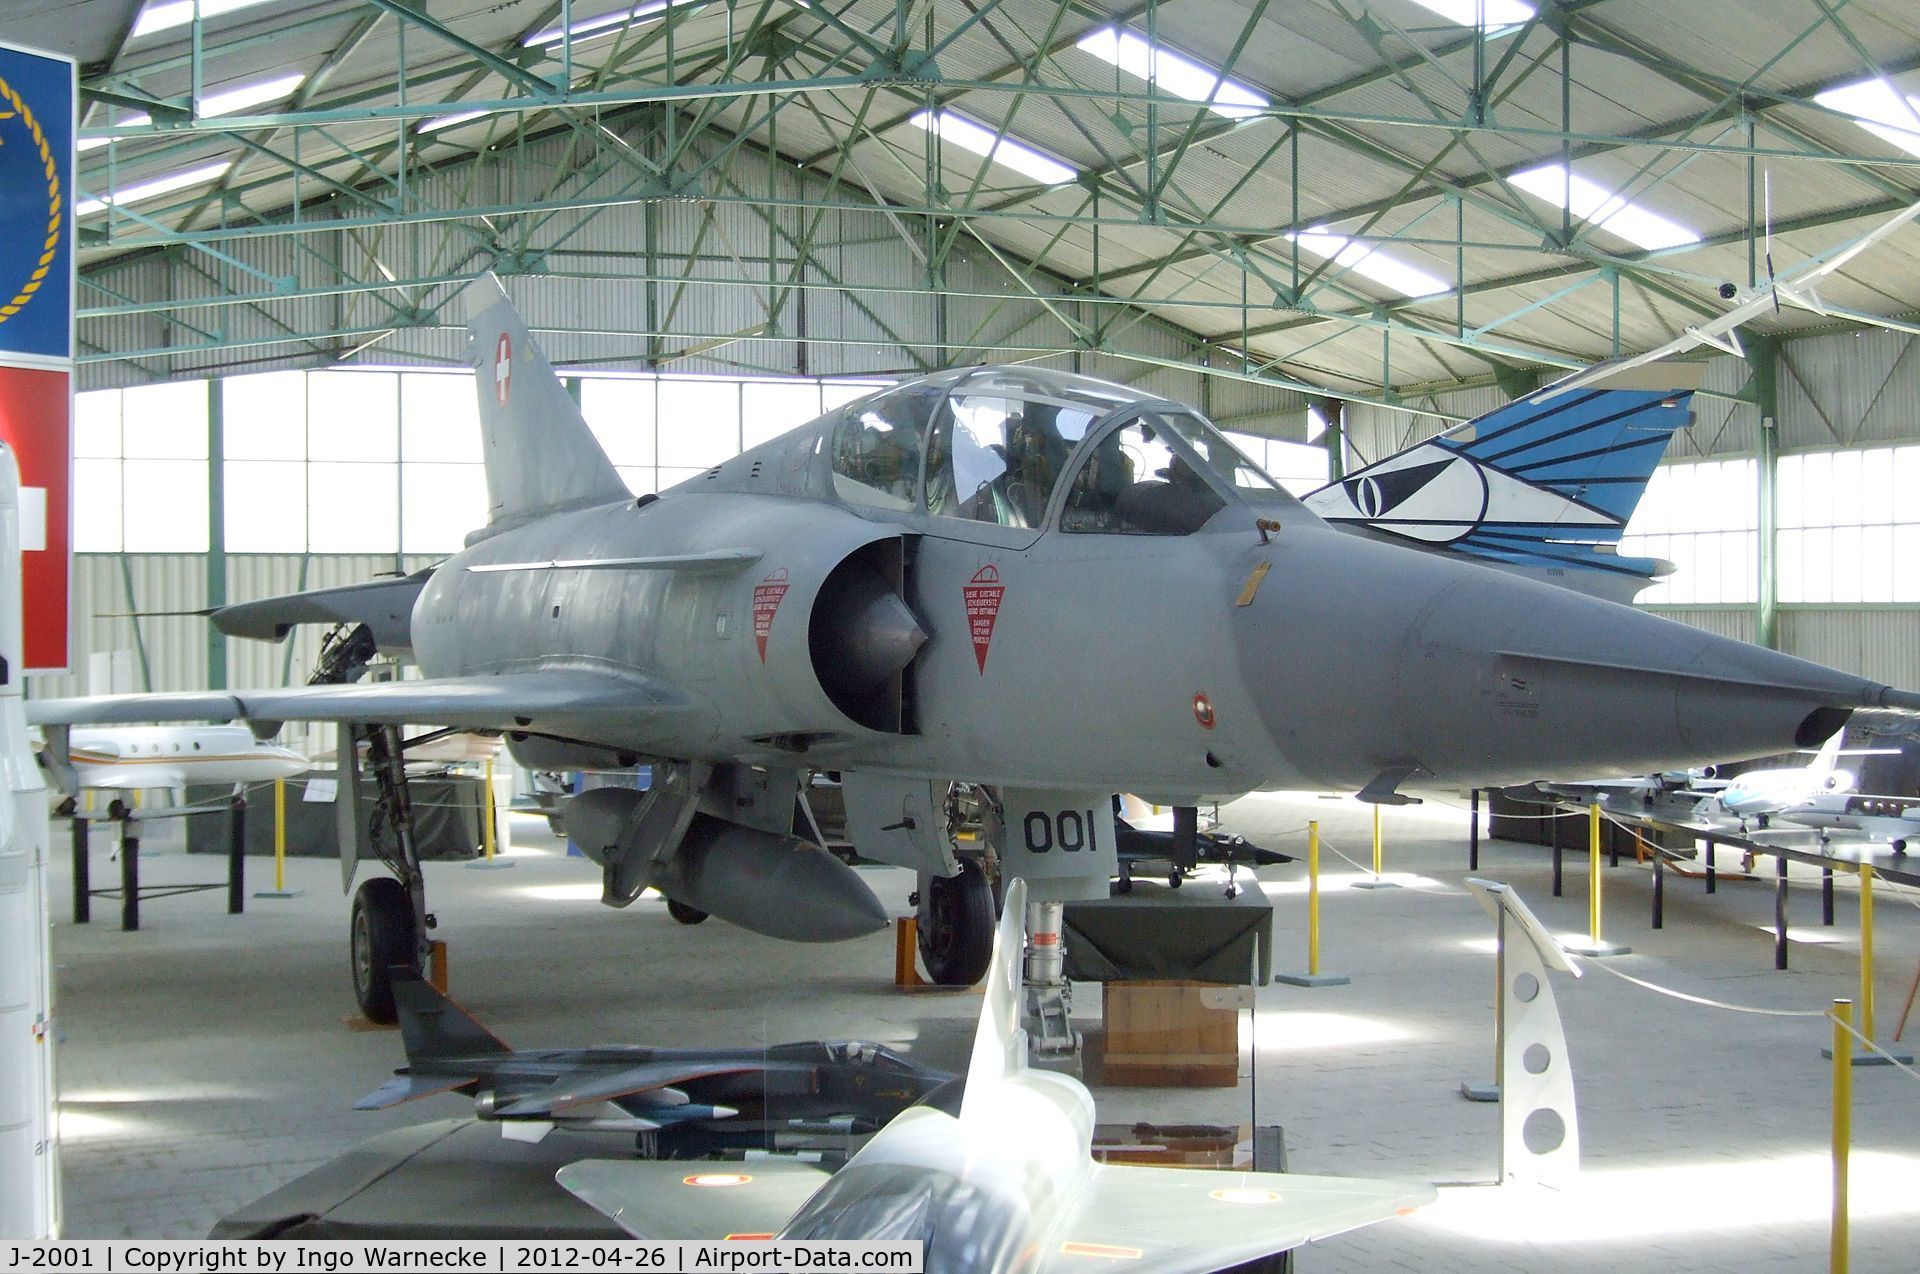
{"points": [[502, 368], [1203, 711]]}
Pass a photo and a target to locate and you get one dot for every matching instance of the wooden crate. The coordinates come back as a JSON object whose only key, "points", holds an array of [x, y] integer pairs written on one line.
{"points": [[1164, 1035]]}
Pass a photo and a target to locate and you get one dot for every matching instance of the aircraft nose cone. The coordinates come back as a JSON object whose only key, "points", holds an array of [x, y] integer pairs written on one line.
{"points": [[1458, 672]]}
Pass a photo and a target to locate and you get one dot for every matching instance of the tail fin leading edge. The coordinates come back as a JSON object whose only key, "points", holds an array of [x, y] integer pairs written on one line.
{"points": [[1547, 481], [1000, 1045], [540, 456], [434, 1028]]}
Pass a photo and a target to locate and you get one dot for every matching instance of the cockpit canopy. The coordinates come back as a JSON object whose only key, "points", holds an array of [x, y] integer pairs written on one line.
{"points": [[1015, 446]]}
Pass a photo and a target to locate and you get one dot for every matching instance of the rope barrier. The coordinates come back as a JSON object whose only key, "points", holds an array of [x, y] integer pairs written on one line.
{"points": [[1872, 1047], [1703, 1000]]}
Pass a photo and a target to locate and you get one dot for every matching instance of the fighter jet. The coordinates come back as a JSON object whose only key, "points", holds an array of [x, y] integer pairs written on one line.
{"points": [[681, 1102], [1010, 576], [1003, 1181]]}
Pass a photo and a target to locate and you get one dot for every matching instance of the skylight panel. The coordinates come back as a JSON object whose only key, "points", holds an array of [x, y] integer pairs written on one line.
{"points": [[1468, 13], [454, 120], [1372, 263], [1174, 72], [153, 189], [1880, 108], [1606, 209], [604, 25], [164, 15], [981, 140], [226, 102]]}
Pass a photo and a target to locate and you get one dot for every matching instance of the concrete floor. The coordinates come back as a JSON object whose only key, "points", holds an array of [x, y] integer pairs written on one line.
{"points": [[206, 1060]]}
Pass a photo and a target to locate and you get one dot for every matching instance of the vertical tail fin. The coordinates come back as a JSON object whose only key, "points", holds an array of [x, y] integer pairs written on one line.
{"points": [[1000, 1045], [434, 1028], [1547, 482], [1828, 756], [540, 455]]}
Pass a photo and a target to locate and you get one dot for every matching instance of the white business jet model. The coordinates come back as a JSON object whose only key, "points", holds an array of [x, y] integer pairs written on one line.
{"points": [[144, 758]]}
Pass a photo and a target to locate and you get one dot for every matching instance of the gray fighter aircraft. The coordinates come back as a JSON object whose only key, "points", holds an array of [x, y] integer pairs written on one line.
{"points": [[1011, 576], [1003, 1181], [680, 1102]]}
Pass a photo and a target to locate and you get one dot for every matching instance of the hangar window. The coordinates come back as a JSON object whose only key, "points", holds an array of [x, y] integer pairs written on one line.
{"points": [[1702, 517], [876, 448], [1846, 534], [1145, 478], [140, 469], [996, 457]]}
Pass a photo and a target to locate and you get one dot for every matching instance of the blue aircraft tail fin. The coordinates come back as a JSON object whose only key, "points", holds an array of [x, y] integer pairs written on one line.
{"points": [[1546, 483], [433, 1027]]}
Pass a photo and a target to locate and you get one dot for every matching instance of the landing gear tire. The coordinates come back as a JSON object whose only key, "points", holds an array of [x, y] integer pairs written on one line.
{"points": [[956, 923], [1899, 847], [1761, 819], [684, 914], [382, 934]]}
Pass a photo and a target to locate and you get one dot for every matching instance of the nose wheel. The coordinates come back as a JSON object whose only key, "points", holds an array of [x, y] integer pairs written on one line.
{"points": [[956, 920]]}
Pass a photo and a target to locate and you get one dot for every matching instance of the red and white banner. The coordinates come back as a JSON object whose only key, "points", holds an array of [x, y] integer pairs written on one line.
{"points": [[37, 113], [983, 594]]}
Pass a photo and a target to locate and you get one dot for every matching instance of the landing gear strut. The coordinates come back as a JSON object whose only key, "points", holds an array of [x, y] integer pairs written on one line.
{"points": [[390, 918]]}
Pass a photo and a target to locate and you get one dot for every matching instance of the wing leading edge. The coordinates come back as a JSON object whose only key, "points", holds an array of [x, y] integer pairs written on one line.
{"points": [[557, 700]]}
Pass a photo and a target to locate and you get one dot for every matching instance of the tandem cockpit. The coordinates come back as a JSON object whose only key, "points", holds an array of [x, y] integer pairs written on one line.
{"points": [[1018, 448]]}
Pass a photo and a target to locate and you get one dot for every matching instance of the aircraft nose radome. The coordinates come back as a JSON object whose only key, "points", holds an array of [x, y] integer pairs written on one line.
{"points": [[1480, 677]]}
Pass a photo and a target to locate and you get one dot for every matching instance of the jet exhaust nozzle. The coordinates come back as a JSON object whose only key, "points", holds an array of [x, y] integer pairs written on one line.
{"points": [[775, 885]]}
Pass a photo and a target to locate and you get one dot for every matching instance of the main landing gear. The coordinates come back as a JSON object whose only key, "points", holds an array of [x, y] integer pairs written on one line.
{"points": [[390, 919]]}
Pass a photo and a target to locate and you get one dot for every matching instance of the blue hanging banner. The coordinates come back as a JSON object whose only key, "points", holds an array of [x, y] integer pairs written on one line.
{"points": [[37, 112]]}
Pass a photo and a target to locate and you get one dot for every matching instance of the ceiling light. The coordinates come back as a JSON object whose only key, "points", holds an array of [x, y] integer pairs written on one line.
{"points": [[1174, 72], [604, 25], [168, 14], [984, 141], [1880, 108], [1407, 280], [1606, 209], [454, 120], [150, 189], [1474, 13]]}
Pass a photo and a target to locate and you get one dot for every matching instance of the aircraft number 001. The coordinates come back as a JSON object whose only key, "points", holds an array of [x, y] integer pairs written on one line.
{"points": [[1069, 831]]}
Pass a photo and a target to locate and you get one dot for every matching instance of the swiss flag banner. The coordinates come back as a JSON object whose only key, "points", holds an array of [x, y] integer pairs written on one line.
{"points": [[35, 420]]}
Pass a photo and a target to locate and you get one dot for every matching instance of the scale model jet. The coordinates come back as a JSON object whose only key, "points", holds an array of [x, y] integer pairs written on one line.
{"points": [[1052, 586], [143, 758], [1005, 1182], [683, 1102]]}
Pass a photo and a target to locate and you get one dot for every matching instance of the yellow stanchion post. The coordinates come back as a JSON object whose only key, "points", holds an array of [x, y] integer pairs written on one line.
{"points": [[489, 831], [1842, 1134], [486, 815], [279, 889], [1313, 976], [1379, 860], [1596, 944], [1865, 1054], [1313, 898]]}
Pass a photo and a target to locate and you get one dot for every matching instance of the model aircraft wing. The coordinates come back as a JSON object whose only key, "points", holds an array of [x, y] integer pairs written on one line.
{"points": [[549, 700], [406, 1088], [664, 1199], [1186, 1221], [1798, 286], [568, 1092]]}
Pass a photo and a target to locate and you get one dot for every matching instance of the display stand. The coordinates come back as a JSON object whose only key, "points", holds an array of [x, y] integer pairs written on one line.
{"points": [[1533, 1076]]}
